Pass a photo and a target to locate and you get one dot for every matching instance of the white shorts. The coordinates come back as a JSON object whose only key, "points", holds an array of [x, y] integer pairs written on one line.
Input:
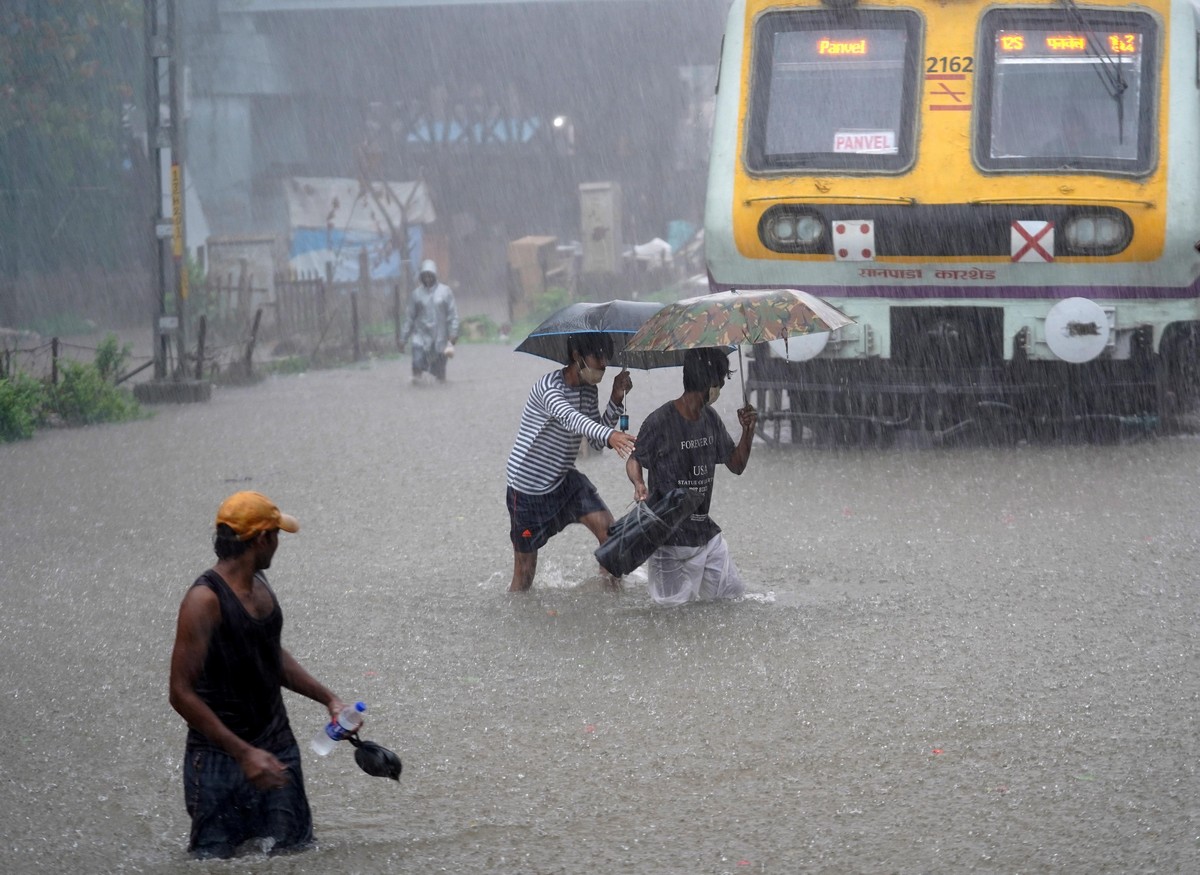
{"points": [[682, 574]]}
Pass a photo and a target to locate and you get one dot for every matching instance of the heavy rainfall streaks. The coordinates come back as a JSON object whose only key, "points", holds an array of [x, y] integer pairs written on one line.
{"points": [[965, 529]]}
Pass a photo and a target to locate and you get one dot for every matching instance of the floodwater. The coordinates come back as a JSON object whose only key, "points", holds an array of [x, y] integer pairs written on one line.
{"points": [[970, 660]]}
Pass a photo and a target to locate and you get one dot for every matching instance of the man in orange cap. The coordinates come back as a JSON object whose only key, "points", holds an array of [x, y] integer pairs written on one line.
{"points": [[241, 771]]}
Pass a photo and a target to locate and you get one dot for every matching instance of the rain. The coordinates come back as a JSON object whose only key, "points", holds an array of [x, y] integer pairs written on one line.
{"points": [[962, 656]]}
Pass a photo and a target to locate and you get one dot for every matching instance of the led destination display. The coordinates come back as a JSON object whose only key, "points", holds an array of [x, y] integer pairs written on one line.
{"points": [[1050, 44], [800, 49]]}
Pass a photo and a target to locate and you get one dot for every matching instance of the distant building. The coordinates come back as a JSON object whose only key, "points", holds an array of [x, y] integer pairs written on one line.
{"points": [[501, 109]]}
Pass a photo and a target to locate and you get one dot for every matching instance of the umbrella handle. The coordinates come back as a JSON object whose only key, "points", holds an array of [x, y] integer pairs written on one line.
{"points": [[742, 374]]}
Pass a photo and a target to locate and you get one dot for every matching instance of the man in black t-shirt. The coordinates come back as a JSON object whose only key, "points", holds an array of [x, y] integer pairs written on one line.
{"points": [[681, 444]]}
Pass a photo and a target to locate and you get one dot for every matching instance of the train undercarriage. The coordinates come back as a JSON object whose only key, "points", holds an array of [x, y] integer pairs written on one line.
{"points": [[951, 384]]}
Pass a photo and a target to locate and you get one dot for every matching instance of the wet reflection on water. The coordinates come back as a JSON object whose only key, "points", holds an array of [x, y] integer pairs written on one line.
{"points": [[972, 659]]}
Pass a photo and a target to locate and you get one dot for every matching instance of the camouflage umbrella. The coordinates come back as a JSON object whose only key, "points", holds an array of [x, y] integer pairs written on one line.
{"points": [[733, 318]]}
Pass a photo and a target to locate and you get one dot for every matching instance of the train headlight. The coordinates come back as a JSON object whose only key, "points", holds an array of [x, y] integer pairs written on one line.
{"points": [[1098, 234], [785, 229], [809, 230]]}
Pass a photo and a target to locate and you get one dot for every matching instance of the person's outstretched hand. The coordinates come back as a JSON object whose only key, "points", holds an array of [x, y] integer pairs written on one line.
{"points": [[623, 442]]}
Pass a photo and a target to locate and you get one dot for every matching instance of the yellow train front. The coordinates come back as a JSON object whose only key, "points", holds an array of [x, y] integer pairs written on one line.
{"points": [[1003, 196]]}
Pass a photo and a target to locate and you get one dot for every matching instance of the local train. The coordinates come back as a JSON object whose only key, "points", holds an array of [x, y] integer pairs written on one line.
{"points": [[1004, 197]]}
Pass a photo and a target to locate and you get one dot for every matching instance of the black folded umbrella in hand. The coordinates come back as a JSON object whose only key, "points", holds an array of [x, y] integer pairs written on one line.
{"points": [[375, 759]]}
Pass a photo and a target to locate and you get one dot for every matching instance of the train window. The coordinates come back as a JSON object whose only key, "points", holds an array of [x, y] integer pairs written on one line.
{"points": [[833, 91], [1067, 91]]}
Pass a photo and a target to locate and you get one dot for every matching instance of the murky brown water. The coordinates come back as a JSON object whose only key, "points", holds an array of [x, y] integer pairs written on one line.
{"points": [[970, 660]]}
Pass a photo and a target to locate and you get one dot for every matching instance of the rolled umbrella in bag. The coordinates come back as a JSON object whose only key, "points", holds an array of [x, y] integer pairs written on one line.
{"points": [[633, 537]]}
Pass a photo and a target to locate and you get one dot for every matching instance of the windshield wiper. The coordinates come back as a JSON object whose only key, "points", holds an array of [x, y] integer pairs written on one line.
{"points": [[1109, 69]]}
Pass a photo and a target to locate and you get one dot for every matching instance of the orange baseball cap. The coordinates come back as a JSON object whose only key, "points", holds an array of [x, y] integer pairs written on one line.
{"points": [[249, 513]]}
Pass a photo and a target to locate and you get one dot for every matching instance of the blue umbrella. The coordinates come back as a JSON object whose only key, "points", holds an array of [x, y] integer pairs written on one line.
{"points": [[620, 320]]}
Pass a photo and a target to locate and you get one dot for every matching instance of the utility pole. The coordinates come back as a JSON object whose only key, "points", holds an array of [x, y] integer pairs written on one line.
{"points": [[165, 135]]}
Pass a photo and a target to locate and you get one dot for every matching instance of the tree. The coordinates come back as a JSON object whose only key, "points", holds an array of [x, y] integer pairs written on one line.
{"points": [[70, 167]]}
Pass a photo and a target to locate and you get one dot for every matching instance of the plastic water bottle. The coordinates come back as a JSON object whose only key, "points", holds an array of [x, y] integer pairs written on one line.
{"points": [[348, 723]]}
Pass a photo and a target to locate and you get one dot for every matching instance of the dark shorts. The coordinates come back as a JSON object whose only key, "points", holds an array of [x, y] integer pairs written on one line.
{"points": [[537, 518], [228, 810]]}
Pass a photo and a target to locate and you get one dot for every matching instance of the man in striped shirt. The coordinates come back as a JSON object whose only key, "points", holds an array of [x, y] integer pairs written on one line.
{"points": [[546, 493]]}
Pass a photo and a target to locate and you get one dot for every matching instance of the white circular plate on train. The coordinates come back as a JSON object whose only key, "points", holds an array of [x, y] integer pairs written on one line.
{"points": [[1077, 330], [801, 347]]}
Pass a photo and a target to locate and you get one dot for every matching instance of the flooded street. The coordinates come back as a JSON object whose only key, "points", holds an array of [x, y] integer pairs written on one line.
{"points": [[952, 660]]}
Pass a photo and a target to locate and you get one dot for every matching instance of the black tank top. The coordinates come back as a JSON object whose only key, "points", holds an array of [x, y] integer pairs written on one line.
{"points": [[243, 670]]}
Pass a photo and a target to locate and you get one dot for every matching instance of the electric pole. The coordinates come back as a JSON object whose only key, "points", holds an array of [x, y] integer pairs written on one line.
{"points": [[165, 137]]}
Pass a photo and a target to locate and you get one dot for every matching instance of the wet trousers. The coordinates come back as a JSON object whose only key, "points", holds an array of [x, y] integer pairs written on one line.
{"points": [[425, 359], [227, 810], [682, 574]]}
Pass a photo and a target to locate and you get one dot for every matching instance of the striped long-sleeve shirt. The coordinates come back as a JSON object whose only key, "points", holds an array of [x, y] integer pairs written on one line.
{"points": [[556, 417]]}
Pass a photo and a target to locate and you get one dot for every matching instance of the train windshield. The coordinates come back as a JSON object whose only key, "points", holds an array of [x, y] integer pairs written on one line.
{"points": [[1067, 93], [833, 91]]}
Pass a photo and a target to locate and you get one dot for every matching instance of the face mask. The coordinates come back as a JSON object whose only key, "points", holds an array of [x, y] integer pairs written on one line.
{"points": [[591, 376], [714, 392]]}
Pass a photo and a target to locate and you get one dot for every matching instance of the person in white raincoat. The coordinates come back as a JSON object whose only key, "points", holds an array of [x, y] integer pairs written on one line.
{"points": [[431, 324]]}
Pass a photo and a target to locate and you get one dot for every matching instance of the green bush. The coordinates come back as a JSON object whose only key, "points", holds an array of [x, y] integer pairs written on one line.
{"points": [[22, 399], [83, 396], [111, 359], [293, 364], [88, 393], [479, 327], [553, 298]]}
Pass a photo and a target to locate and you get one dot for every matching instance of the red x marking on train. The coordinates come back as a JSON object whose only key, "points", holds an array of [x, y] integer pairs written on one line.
{"points": [[1033, 235]]}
